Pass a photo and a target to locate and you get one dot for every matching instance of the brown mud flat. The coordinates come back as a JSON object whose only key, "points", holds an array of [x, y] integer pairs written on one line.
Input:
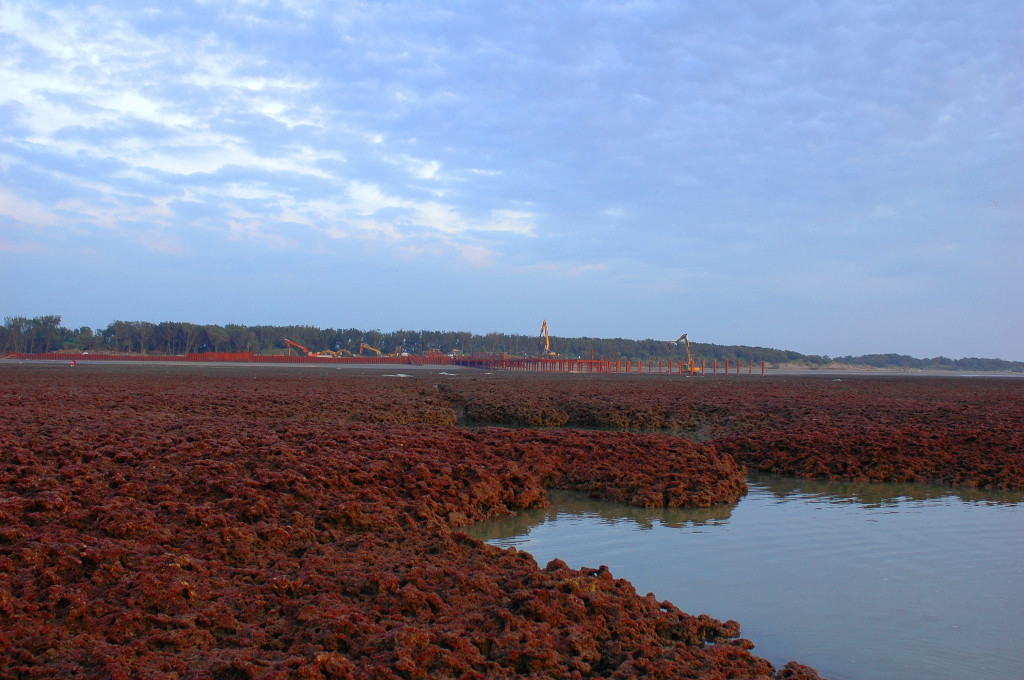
{"points": [[203, 523]]}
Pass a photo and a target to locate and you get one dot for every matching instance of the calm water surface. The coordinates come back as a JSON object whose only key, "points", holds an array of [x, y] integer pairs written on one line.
{"points": [[861, 581]]}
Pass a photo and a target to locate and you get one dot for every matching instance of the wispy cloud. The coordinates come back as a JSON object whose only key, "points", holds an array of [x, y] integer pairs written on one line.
{"points": [[620, 150], [196, 112]]}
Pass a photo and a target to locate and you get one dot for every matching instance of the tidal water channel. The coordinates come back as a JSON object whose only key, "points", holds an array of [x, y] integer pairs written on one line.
{"points": [[860, 581]]}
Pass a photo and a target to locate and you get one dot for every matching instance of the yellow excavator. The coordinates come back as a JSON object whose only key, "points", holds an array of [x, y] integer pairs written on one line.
{"points": [[334, 353], [376, 351], [547, 340], [689, 355]]}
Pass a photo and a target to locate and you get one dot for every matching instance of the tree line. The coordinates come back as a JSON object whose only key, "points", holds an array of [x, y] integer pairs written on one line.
{"points": [[45, 334]]}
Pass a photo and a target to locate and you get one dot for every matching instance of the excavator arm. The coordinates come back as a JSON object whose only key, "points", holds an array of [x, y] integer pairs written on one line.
{"points": [[376, 351], [689, 354], [547, 339], [299, 347]]}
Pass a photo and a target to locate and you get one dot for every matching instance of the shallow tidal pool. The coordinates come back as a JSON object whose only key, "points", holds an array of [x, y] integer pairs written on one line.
{"points": [[860, 581]]}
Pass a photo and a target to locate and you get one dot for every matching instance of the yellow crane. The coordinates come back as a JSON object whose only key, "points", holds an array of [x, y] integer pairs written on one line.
{"points": [[689, 355]]}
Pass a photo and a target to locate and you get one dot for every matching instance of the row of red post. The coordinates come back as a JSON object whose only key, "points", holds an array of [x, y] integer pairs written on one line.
{"points": [[544, 365], [488, 363]]}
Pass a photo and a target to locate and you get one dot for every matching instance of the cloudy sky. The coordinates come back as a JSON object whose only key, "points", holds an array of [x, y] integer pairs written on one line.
{"points": [[828, 177]]}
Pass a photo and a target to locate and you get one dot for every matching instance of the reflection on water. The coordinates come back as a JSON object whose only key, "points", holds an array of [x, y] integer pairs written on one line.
{"points": [[575, 504], [876, 494], [861, 581]]}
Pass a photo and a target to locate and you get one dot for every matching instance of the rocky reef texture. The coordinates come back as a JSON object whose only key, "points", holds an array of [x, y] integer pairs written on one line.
{"points": [[228, 523], [958, 430], [247, 522]]}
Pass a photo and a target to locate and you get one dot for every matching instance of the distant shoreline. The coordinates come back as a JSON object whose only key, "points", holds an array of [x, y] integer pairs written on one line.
{"points": [[780, 370], [861, 369]]}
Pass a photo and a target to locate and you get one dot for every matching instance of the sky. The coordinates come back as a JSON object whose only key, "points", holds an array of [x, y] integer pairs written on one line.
{"points": [[835, 178]]}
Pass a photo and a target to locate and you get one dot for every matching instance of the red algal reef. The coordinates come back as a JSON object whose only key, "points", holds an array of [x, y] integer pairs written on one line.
{"points": [[960, 431], [265, 523]]}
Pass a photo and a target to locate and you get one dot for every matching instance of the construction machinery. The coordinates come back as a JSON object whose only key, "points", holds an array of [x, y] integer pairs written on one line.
{"points": [[334, 353], [689, 354], [376, 351], [547, 340], [297, 346]]}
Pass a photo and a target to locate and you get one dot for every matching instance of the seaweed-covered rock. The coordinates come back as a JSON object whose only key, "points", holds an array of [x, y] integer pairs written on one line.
{"points": [[207, 526]]}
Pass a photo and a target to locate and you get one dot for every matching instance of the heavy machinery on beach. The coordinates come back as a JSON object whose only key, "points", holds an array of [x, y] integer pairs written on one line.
{"points": [[323, 353], [547, 340], [334, 353], [691, 369], [376, 351], [299, 347]]}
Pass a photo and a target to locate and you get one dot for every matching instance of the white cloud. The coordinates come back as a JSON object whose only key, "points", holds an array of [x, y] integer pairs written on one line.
{"points": [[253, 229], [131, 79], [512, 222], [476, 255], [417, 167], [443, 218], [369, 199], [427, 170]]}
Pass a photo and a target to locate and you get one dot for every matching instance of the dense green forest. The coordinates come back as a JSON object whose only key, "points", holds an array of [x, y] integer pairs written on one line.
{"points": [[46, 334]]}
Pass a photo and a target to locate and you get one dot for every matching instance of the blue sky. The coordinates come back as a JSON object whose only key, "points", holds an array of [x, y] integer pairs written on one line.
{"points": [[832, 178]]}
